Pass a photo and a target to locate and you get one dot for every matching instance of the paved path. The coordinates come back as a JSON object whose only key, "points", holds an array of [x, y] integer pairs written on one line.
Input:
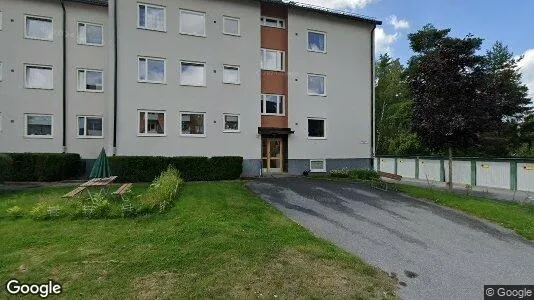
{"points": [[439, 253]]}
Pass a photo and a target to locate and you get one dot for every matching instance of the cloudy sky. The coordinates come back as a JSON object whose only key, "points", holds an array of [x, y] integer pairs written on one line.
{"points": [[510, 22]]}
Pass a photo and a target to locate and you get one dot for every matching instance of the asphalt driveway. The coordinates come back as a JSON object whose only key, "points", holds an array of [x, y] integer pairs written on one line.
{"points": [[436, 252]]}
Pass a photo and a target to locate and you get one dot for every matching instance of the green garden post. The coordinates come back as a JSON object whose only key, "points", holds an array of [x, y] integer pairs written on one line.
{"points": [[442, 169], [473, 172], [513, 175], [396, 165], [417, 168], [378, 164]]}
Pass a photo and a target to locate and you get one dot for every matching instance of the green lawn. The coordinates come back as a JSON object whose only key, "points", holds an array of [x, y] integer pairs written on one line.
{"points": [[218, 241], [515, 216]]}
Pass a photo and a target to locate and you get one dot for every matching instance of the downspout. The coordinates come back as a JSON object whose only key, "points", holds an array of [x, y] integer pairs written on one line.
{"points": [[115, 80], [64, 143], [373, 98]]}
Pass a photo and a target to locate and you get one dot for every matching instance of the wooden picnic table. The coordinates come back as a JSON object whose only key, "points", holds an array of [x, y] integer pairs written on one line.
{"points": [[99, 182]]}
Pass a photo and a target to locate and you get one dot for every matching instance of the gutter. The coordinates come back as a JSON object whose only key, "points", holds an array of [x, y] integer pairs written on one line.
{"points": [[115, 80], [373, 96], [64, 143]]}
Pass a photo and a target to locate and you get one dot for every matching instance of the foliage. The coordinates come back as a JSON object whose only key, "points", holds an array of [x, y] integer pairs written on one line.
{"points": [[146, 168], [6, 164], [393, 110], [15, 212], [101, 206], [356, 174], [162, 191], [40, 211], [44, 166]]}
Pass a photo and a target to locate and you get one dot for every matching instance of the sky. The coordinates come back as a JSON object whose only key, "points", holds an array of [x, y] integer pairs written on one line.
{"points": [[510, 22]]}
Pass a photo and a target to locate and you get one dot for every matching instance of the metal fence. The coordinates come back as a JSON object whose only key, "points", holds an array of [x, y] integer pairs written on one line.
{"points": [[505, 173]]}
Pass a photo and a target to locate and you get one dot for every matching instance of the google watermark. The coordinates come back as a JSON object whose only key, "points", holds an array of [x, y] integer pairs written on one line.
{"points": [[15, 287], [508, 292]]}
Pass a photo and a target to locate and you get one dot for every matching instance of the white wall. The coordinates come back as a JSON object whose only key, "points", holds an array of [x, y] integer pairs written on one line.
{"points": [[387, 165], [493, 174], [525, 177], [406, 167], [461, 171], [347, 106], [429, 170]]}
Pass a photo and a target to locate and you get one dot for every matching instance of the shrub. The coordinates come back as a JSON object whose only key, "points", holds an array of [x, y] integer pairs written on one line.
{"points": [[340, 173], [356, 174], [5, 167], [101, 206], [40, 211], [162, 191], [44, 166], [15, 212], [147, 168]]}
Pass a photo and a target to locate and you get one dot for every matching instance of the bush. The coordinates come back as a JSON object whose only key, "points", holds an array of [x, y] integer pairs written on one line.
{"points": [[40, 211], [15, 212], [356, 174], [101, 206], [162, 191], [44, 166], [5, 167], [147, 168]]}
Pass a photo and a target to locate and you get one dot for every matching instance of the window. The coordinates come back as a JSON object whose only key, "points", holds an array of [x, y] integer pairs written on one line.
{"points": [[1, 70], [316, 41], [39, 28], [316, 128], [39, 77], [1, 19], [193, 124], [90, 127], [231, 26], [151, 123], [90, 81], [272, 60], [231, 74], [1, 121], [192, 23], [316, 85], [90, 34], [192, 73], [317, 165], [152, 70], [272, 105], [231, 123], [151, 17], [273, 22], [38, 126]]}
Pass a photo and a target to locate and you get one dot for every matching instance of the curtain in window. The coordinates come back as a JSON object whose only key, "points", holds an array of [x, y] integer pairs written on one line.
{"points": [[155, 18], [38, 77]]}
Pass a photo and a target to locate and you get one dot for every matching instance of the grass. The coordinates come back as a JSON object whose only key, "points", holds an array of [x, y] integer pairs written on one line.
{"points": [[516, 216], [218, 241]]}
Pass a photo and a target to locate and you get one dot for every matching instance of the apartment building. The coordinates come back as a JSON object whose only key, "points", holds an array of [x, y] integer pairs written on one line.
{"points": [[288, 87]]}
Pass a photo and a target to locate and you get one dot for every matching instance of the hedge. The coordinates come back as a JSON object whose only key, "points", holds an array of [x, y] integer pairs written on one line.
{"points": [[146, 168], [5, 167], [43, 166]]}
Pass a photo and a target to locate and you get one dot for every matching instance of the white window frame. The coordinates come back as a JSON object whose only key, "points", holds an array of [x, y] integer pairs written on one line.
{"points": [[308, 128], [85, 136], [308, 40], [238, 123], [37, 66], [204, 83], [182, 113], [1, 20], [1, 121], [264, 104], [238, 74], [51, 136], [147, 111], [283, 59], [78, 70], [153, 6], [323, 170], [147, 58], [308, 84], [81, 42], [26, 36], [280, 23], [238, 26], [1, 71], [198, 13]]}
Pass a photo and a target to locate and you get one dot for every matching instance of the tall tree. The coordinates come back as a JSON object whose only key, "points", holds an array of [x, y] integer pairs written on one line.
{"points": [[393, 109], [447, 80]]}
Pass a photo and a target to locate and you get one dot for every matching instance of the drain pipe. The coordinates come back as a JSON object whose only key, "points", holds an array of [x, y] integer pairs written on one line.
{"points": [[115, 79], [64, 117], [373, 98]]}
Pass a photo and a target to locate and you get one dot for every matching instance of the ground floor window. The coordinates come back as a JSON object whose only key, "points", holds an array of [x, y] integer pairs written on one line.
{"points": [[192, 124], [316, 128], [151, 123], [38, 126], [90, 126], [318, 165], [231, 123]]}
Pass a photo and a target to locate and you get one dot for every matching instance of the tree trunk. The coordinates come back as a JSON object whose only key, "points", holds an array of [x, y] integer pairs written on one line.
{"points": [[450, 168]]}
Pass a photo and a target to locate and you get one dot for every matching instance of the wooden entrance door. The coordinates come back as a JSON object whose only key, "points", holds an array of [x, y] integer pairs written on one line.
{"points": [[272, 155]]}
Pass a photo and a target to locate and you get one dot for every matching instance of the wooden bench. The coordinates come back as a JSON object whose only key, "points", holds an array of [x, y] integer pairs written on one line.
{"points": [[390, 176], [123, 189], [74, 192]]}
